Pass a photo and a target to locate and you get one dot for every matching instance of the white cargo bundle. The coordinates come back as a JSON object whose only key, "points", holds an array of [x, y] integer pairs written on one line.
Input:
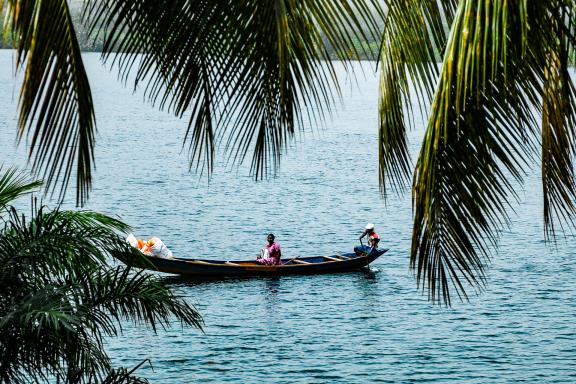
{"points": [[159, 249], [131, 239]]}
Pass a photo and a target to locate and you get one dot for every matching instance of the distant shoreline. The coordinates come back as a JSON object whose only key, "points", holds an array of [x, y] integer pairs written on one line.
{"points": [[100, 51]]}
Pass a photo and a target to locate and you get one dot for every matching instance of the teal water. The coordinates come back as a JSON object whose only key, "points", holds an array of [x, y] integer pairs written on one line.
{"points": [[350, 328]]}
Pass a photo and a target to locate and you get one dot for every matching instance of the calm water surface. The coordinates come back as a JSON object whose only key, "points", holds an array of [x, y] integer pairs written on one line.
{"points": [[351, 328]]}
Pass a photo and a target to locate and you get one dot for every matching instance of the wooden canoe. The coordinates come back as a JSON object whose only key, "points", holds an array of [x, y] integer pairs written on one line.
{"points": [[218, 268]]}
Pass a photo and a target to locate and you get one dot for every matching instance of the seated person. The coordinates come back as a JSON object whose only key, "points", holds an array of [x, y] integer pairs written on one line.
{"points": [[270, 254]]}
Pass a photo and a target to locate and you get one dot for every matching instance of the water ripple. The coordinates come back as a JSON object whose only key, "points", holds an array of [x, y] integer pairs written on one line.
{"points": [[351, 328]]}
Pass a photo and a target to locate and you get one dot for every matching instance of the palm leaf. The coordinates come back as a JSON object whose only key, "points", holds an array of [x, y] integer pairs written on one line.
{"points": [[558, 127], [413, 38], [483, 133], [14, 185], [56, 108], [247, 70], [124, 375], [60, 298]]}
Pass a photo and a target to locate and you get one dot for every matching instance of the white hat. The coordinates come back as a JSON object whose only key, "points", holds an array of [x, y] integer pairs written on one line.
{"points": [[369, 226]]}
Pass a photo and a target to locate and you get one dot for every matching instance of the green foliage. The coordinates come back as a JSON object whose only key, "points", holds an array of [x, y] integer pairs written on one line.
{"points": [[14, 185], [503, 90], [56, 107], [245, 70], [60, 298]]}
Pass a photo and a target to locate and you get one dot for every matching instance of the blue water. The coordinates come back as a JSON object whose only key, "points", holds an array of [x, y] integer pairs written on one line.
{"points": [[351, 328]]}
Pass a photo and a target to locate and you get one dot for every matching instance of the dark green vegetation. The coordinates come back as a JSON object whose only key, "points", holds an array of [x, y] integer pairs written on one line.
{"points": [[501, 102], [60, 297], [362, 48]]}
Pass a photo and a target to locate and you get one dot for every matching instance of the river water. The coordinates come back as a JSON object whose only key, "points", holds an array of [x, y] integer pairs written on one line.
{"points": [[351, 328]]}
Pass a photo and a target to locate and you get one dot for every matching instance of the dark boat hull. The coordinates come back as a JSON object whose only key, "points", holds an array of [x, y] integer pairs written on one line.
{"points": [[214, 268]]}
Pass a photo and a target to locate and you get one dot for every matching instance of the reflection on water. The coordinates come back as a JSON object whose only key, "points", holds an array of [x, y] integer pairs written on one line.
{"points": [[271, 286], [271, 282], [370, 273]]}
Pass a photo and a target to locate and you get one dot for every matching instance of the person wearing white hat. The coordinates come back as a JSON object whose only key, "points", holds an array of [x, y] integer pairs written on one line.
{"points": [[373, 240]]}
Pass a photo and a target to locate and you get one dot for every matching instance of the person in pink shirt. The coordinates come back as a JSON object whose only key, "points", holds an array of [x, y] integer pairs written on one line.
{"points": [[270, 254]]}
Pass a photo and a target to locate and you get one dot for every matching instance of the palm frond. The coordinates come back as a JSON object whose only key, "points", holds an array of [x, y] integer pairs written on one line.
{"points": [[46, 318], [558, 125], [121, 294], [56, 108], [124, 375], [414, 36], [60, 297], [13, 185], [246, 70], [57, 242], [483, 134]]}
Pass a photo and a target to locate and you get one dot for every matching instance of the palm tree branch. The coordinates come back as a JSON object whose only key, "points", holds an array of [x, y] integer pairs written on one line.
{"points": [[558, 132], [482, 132], [14, 185], [224, 58], [412, 38], [56, 107]]}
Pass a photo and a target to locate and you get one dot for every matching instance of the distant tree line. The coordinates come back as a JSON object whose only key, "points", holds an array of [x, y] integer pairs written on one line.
{"points": [[367, 48], [92, 42]]}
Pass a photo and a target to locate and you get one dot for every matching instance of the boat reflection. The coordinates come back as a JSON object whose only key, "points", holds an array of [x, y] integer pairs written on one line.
{"points": [[272, 282]]}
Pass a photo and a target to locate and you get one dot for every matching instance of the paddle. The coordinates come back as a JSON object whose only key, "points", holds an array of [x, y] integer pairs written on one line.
{"points": [[366, 255], [291, 260], [362, 244]]}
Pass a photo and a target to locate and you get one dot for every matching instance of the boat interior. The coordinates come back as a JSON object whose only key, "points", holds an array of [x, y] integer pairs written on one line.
{"points": [[286, 261]]}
